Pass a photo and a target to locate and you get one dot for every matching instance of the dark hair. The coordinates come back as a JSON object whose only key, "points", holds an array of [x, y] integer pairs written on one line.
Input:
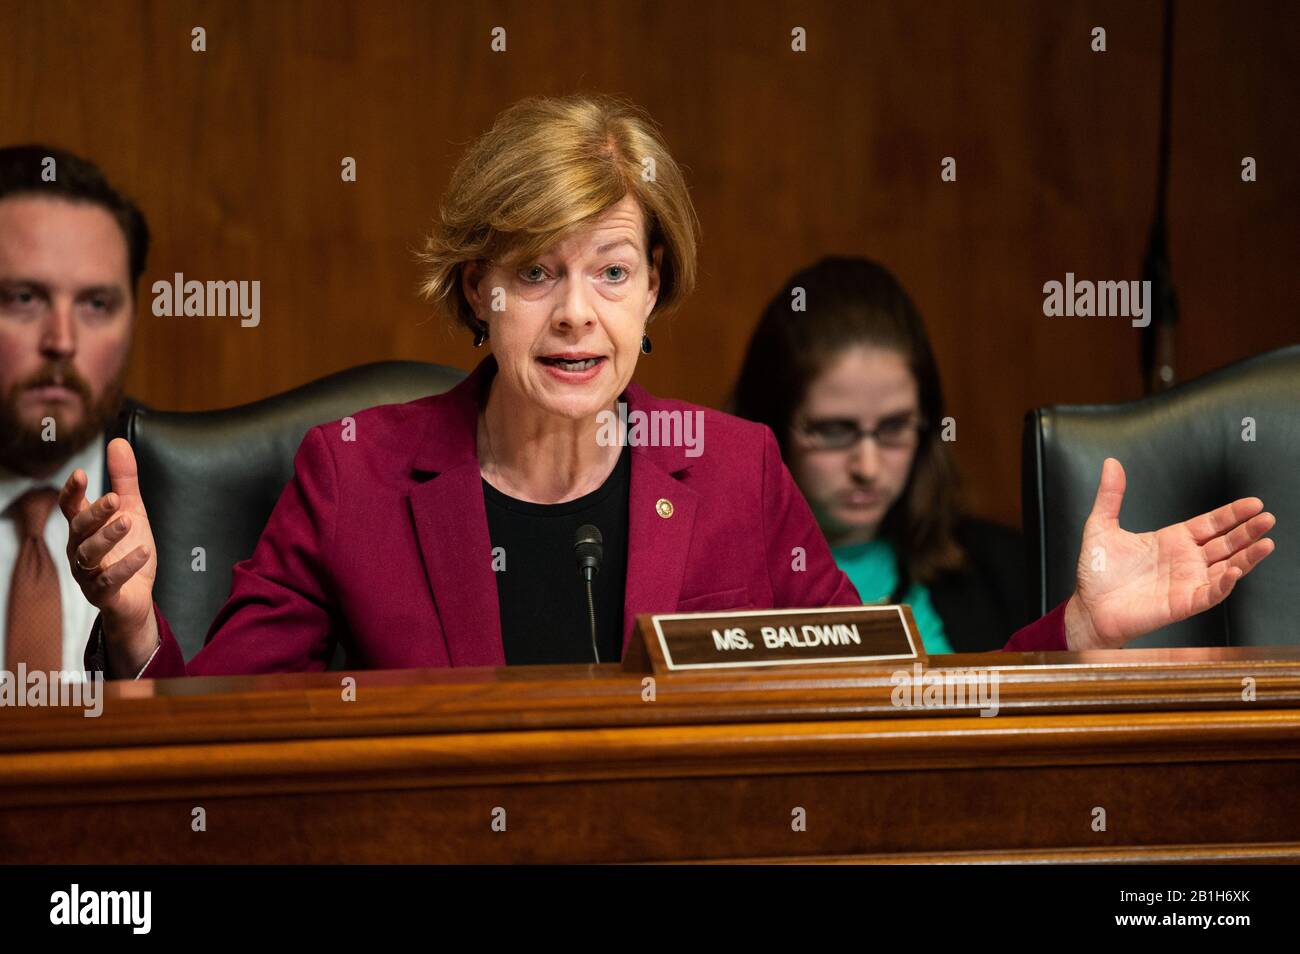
{"points": [[76, 180], [854, 301]]}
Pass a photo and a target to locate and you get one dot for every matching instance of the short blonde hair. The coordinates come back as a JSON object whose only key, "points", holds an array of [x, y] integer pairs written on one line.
{"points": [[546, 167]]}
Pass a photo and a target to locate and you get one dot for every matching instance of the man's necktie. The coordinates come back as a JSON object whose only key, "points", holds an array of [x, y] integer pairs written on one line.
{"points": [[35, 623]]}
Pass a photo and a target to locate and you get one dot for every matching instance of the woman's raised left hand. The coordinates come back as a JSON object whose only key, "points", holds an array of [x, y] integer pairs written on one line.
{"points": [[1129, 584]]}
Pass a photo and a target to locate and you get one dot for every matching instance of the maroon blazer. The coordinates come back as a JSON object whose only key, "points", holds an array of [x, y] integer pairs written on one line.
{"points": [[382, 542]]}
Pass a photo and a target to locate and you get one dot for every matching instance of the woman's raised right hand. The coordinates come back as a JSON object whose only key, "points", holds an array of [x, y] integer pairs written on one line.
{"points": [[113, 559]]}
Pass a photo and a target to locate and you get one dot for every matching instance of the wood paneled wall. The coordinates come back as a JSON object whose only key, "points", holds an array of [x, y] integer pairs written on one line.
{"points": [[235, 155]]}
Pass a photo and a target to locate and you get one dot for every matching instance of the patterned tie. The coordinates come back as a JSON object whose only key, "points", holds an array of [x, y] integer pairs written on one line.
{"points": [[35, 625]]}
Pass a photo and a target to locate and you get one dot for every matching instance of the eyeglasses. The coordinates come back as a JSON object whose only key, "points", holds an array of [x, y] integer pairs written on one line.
{"points": [[893, 433]]}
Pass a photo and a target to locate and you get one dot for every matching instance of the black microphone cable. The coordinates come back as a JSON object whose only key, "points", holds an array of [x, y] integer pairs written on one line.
{"points": [[588, 547]]}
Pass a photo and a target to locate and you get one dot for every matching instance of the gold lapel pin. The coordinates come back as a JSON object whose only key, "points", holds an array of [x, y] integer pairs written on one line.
{"points": [[664, 508]]}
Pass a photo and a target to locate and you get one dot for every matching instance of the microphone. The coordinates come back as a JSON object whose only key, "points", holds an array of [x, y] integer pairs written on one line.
{"points": [[589, 548]]}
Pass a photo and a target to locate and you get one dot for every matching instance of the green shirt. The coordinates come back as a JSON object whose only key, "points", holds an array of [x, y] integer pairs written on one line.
{"points": [[873, 570]]}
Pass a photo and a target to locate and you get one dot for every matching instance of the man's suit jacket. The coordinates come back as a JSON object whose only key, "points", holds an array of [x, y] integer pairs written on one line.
{"points": [[382, 541]]}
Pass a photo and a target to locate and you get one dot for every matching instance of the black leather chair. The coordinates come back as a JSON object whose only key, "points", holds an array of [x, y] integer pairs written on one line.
{"points": [[1183, 452], [211, 478]]}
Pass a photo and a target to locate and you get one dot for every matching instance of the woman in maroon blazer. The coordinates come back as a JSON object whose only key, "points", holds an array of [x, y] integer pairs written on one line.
{"points": [[442, 532]]}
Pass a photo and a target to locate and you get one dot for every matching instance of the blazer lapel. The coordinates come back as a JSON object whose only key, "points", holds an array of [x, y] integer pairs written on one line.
{"points": [[658, 535], [657, 545], [451, 523]]}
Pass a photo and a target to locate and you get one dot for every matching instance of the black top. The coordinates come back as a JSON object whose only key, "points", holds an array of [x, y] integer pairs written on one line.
{"points": [[542, 599], [982, 604]]}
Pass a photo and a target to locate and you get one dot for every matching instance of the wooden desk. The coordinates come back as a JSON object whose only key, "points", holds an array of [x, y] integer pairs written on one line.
{"points": [[712, 769]]}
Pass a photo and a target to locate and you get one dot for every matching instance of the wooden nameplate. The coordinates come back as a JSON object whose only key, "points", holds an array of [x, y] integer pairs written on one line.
{"points": [[821, 636]]}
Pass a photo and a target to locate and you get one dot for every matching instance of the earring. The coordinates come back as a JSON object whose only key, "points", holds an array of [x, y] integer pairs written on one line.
{"points": [[480, 336], [645, 344]]}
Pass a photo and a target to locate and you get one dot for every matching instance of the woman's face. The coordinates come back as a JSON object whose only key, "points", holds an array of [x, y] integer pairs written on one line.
{"points": [[851, 488], [588, 297]]}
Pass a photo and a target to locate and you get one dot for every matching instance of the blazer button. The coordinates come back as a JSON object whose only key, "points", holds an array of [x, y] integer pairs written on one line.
{"points": [[664, 508]]}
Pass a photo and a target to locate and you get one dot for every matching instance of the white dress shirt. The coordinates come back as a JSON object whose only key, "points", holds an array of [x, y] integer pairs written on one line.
{"points": [[78, 615]]}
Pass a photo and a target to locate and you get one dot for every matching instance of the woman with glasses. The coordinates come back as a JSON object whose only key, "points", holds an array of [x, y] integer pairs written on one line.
{"points": [[849, 385]]}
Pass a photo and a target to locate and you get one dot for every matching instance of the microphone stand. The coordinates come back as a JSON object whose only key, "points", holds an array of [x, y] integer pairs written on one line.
{"points": [[1157, 338]]}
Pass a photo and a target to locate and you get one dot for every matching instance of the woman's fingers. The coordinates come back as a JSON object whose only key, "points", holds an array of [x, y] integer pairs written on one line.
{"points": [[108, 581], [1110, 494], [92, 551], [92, 534], [92, 518], [1222, 587], [123, 476], [1223, 576], [1247, 559], [72, 498], [1209, 525], [1224, 546]]}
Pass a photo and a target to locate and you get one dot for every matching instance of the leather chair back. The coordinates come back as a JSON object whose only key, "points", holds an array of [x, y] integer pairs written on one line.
{"points": [[1232, 433]]}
